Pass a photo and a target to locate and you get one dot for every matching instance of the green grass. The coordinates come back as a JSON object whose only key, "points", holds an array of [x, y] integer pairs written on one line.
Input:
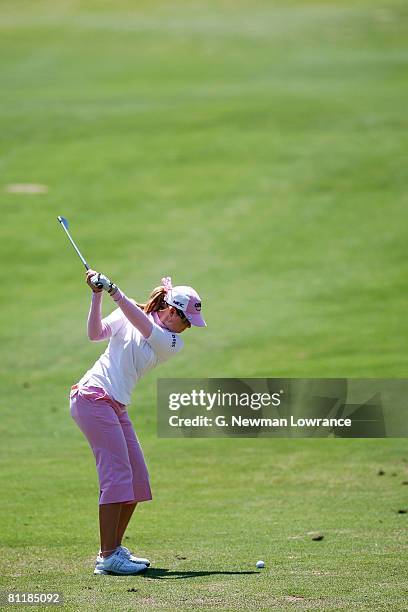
{"points": [[256, 150]]}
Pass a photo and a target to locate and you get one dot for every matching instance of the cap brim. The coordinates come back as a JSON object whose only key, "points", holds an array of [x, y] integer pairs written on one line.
{"points": [[196, 319]]}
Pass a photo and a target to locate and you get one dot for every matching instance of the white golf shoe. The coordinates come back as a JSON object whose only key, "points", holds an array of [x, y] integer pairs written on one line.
{"points": [[118, 565], [126, 553]]}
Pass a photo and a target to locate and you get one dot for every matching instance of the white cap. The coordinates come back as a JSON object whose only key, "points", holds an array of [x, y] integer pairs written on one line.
{"points": [[187, 300]]}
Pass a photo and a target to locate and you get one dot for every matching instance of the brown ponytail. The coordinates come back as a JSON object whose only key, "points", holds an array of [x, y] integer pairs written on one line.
{"points": [[156, 300]]}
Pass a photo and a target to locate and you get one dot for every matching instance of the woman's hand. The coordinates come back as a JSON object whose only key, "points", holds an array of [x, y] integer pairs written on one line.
{"points": [[89, 275], [100, 281]]}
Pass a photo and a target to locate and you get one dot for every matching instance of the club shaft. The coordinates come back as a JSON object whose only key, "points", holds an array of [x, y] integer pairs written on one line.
{"points": [[75, 246]]}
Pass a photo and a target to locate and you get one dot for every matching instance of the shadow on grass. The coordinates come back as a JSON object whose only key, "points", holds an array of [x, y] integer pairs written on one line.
{"points": [[159, 573]]}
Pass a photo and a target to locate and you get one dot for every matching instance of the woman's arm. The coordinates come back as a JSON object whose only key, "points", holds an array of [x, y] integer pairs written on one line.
{"points": [[97, 329], [133, 313]]}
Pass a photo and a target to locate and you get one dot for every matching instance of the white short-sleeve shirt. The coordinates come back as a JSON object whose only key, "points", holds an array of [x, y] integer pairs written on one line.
{"points": [[129, 356]]}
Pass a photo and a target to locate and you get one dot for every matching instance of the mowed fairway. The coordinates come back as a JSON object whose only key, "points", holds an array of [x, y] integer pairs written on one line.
{"points": [[256, 150]]}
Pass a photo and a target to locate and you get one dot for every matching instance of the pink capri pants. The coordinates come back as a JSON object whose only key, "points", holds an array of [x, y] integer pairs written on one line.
{"points": [[122, 471]]}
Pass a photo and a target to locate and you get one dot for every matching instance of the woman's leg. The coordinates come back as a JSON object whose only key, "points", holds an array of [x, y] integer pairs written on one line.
{"points": [[109, 518], [100, 425], [126, 511]]}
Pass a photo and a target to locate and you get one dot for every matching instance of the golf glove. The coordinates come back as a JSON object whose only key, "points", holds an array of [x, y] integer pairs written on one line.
{"points": [[102, 282]]}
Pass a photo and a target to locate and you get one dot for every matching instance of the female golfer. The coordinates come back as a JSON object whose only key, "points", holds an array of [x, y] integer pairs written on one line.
{"points": [[141, 337]]}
